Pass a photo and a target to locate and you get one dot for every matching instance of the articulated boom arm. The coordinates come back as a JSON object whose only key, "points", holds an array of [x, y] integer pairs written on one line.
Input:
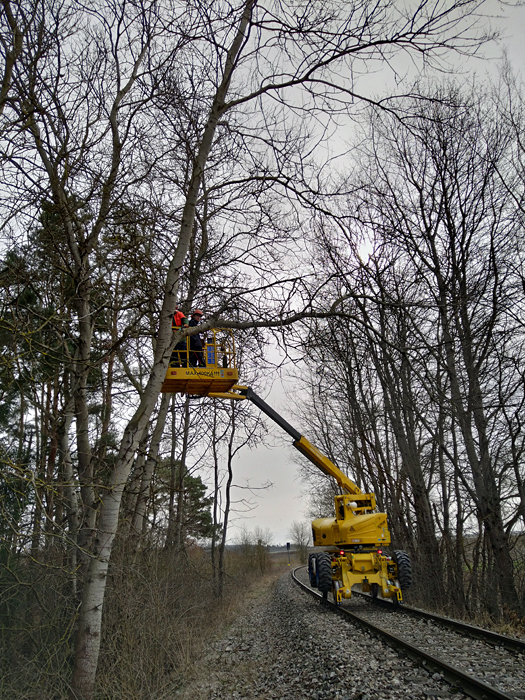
{"points": [[353, 537], [301, 443]]}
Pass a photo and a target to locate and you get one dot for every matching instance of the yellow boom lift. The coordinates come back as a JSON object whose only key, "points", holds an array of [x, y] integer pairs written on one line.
{"points": [[352, 541]]}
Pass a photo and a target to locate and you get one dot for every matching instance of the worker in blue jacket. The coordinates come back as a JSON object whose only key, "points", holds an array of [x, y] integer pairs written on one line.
{"points": [[196, 349]]}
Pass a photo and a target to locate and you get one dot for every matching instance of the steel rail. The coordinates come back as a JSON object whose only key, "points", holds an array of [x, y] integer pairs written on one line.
{"points": [[463, 682], [500, 640]]}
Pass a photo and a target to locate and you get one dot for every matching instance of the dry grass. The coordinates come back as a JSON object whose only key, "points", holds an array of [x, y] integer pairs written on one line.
{"points": [[193, 681], [159, 614]]}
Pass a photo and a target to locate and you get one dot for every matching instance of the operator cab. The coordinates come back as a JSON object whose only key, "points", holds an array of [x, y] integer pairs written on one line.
{"points": [[218, 375]]}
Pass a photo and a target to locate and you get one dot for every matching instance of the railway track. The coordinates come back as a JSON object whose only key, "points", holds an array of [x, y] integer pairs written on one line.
{"points": [[476, 662]]}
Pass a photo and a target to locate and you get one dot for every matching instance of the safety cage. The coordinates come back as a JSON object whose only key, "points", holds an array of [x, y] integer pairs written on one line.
{"points": [[217, 374]]}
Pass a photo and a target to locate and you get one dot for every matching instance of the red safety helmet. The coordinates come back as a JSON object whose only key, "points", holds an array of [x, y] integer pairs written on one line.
{"points": [[197, 312]]}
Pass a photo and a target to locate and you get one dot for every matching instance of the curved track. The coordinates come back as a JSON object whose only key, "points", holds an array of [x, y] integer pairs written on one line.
{"points": [[477, 662]]}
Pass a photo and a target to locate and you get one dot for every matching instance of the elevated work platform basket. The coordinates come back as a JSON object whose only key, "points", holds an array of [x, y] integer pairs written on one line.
{"points": [[216, 371]]}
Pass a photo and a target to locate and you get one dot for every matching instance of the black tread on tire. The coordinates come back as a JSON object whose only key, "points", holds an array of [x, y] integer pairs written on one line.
{"points": [[404, 569], [324, 572]]}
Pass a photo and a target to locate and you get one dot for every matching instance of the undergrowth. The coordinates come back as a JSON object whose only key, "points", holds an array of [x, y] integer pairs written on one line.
{"points": [[159, 612]]}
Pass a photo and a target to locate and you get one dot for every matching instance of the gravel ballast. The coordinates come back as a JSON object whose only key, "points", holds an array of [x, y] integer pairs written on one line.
{"points": [[287, 646]]}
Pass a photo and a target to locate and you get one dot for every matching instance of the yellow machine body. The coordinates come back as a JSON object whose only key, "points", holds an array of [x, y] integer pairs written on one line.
{"points": [[367, 530], [355, 539], [372, 570], [358, 524]]}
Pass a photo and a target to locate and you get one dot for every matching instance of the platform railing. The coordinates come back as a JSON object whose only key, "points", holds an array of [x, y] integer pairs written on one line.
{"points": [[218, 351]]}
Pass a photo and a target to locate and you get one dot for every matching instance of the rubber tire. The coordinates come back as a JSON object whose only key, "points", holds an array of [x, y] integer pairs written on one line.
{"points": [[312, 569], [404, 569], [324, 573]]}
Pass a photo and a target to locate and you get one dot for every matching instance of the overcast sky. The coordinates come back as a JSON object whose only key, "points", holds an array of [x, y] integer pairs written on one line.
{"points": [[283, 503]]}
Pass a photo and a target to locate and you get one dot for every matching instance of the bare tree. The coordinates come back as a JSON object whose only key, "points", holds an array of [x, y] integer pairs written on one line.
{"points": [[439, 304], [87, 111], [300, 535]]}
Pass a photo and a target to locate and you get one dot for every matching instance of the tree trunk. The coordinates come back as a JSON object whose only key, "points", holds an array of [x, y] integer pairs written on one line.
{"points": [[227, 505], [486, 490], [70, 492], [137, 522]]}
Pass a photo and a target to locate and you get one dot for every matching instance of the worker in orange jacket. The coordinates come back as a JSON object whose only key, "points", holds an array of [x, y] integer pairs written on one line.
{"points": [[179, 356]]}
